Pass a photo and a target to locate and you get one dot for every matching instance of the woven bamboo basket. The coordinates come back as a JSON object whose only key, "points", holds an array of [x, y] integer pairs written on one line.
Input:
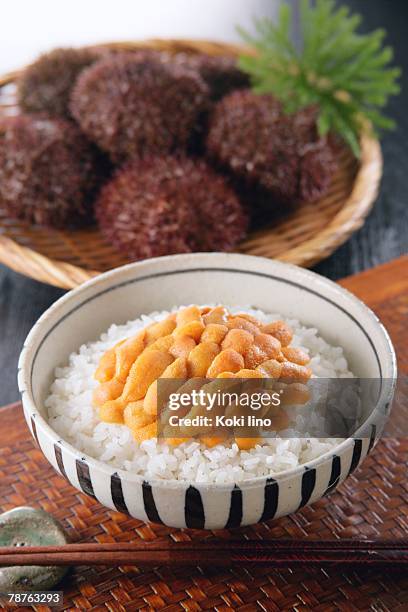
{"points": [[304, 237]]}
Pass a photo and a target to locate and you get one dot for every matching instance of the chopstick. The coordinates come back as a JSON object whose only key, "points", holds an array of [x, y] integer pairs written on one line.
{"points": [[213, 553]]}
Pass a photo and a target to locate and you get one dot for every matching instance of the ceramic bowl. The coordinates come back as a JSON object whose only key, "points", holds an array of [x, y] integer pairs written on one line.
{"points": [[159, 284]]}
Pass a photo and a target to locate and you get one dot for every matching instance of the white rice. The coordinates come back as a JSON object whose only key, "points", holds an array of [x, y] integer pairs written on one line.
{"points": [[72, 416]]}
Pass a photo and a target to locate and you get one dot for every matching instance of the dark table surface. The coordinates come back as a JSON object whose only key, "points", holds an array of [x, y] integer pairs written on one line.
{"points": [[383, 237]]}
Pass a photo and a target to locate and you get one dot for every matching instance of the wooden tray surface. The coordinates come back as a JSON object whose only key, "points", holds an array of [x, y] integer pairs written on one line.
{"points": [[372, 503], [305, 236]]}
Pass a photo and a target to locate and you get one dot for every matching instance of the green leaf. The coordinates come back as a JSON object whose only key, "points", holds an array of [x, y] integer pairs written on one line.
{"points": [[323, 123], [346, 73]]}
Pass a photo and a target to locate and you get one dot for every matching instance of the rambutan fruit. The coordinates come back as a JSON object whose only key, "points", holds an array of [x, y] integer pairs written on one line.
{"points": [[47, 171], [132, 107], [164, 205], [45, 86], [250, 136]]}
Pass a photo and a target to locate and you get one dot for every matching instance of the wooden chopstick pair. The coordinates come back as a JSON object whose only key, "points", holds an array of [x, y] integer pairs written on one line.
{"points": [[213, 553]]}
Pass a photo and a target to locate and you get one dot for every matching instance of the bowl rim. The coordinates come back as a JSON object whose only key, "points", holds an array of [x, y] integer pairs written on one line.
{"points": [[26, 357]]}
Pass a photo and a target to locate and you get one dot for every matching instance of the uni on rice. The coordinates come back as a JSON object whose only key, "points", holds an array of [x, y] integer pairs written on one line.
{"points": [[102, 426]]}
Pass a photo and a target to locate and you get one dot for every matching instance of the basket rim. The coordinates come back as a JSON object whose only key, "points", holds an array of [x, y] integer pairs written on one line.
{"points": [[347, 220]]}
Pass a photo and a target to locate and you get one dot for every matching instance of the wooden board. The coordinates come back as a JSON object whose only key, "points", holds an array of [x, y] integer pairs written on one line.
{"points": [[371, 503]]}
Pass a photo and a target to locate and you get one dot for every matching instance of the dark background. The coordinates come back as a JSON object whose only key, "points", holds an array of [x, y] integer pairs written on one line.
{"points": [[383, 237]]}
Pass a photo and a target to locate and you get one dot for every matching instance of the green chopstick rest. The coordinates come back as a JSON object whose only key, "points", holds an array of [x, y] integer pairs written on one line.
{"points": [[30, 527]]}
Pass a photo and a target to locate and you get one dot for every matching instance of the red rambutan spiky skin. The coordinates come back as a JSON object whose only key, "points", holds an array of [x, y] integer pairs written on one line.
{"points": [[133, 107], [165, 205], [47, 171], [250, 136], [45, 86]]}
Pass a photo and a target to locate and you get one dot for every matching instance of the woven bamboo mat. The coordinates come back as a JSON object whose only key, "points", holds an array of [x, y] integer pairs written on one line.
{"points": [[372, 503]]}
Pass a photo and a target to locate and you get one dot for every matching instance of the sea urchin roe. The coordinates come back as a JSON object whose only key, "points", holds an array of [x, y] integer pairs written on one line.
{"points": [[193, 345], [106, 369], [239, 340], [279, 330], [214, 332], [182, 346], [201, 357]]}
